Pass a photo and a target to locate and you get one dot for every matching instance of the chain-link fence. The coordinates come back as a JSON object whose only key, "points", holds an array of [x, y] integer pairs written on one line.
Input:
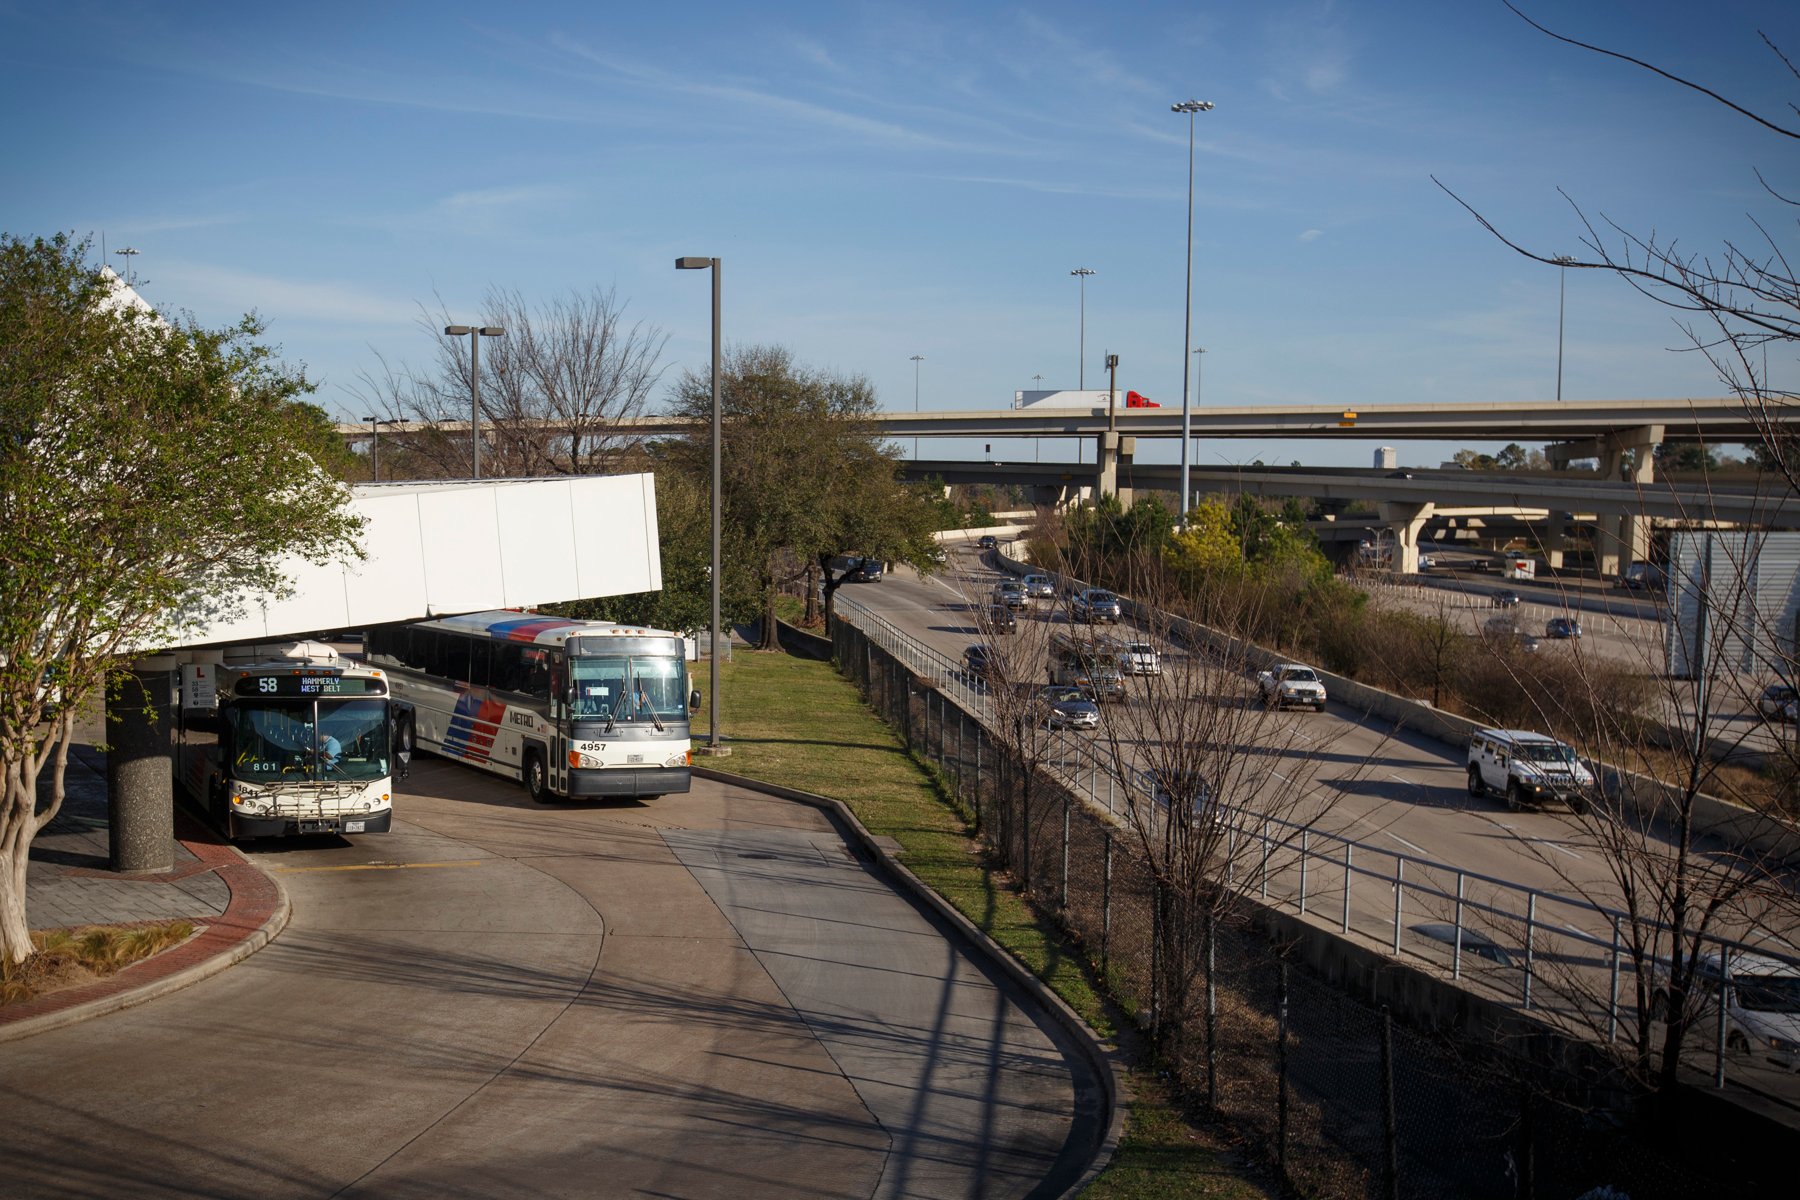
{"points": [[1344, 1100]]}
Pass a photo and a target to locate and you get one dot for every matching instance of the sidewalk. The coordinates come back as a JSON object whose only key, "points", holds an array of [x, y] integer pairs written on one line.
{"points": [[235, 907]]}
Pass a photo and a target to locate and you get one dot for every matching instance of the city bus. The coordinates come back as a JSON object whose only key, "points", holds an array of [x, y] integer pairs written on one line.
{"points": [[288, 740], [571, 709]]}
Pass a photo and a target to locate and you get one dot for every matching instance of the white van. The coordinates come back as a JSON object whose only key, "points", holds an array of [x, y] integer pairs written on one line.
{"points": [[1762, 1006], [1526, 768]]}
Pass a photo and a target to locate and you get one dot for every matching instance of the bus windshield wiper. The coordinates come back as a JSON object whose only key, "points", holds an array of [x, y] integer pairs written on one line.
{"points": [[643, 702]]}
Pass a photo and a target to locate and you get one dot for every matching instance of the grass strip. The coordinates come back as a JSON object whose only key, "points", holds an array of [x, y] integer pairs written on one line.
{"points": [[797, 723]]}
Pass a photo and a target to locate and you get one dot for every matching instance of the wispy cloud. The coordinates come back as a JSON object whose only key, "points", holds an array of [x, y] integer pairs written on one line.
{"points": [[1312, 235], [1059, 187], [488, 200], [797, 111], [1311, 52], [212, 288]]}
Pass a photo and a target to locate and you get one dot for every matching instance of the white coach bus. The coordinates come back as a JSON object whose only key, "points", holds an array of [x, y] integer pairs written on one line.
{"points": [[569, 708]]}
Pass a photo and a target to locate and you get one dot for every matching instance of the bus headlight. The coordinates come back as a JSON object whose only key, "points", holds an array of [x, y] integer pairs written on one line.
{"points": [[678, 760], [578, 759]]}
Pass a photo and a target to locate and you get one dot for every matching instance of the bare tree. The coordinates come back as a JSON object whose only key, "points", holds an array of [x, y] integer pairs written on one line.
{"points": [[553, 387]]}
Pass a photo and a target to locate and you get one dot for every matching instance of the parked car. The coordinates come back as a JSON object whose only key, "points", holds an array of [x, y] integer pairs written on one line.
{"points": [[1563, 627], [1039, 587], [1092, 605], [987, 541], [1287, 684], [1140, 658], [1527, 768], [1011, 593], [1426, 562], [1762, 1005], [938, 555], [1504, 598], [1066, 707], [1778, 701], [1001, 618]]}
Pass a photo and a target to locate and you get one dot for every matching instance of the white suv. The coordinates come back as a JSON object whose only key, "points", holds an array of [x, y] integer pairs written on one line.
{"points": [[1292, 683], [1762, 1006], [1526, 768]]}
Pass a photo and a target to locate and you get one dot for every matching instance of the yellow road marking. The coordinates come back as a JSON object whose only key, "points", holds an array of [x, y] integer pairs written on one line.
{"points": [[373, 867]]}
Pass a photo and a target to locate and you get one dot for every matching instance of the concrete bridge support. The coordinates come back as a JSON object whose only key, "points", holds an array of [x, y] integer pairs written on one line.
{"points": [[1405, 521], [1556, 539], [1623, 539]]}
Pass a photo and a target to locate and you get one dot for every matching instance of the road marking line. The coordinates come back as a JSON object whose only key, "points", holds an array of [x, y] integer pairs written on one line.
{"points": [[1415, 848], [372, 867], [1554, 846], [1772, 936]]}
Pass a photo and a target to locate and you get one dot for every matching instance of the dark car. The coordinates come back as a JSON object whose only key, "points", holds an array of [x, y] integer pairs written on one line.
{"points": [[1066, 707], [1473, 942], [1093, 605], [1778, 702], [982, 662], [1562, 627], [1504, 598], [1001, 618], [1185, 791], [987, 541], [864, 570]]}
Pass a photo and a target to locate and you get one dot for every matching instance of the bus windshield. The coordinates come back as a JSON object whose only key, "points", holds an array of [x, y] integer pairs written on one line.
{"points": [[629, 688], [330, 740]]}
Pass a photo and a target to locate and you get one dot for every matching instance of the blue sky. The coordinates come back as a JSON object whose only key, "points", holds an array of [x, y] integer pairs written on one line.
{"points": [[884, 180]]}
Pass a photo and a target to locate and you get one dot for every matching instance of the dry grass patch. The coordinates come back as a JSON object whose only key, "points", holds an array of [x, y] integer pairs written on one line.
{"points": [[67, 957]]}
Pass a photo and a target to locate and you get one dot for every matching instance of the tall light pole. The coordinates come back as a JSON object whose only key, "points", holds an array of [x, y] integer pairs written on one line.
{"points": [[1081, 377], [916, 360], [700, 264], [1562, 262], [1191, 108], [1199, 375], [128, 253], [1037, 443], [375, 425], [475, 334]]}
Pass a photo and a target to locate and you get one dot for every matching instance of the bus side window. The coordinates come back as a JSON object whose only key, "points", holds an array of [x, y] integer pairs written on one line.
{"points": [[508, 667], [454, 649], [547, 682], [480, 661]]}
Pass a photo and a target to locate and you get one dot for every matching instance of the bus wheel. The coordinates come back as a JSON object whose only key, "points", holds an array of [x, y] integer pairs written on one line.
{"points": [[403, 737], [537, 783]]}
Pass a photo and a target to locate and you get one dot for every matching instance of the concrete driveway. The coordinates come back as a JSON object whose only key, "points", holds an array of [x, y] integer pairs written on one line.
{"points": [[705, 995]]}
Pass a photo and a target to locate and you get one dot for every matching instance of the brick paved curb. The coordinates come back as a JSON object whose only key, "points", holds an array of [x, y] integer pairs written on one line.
{"points": [[258, 911], [1103, 1057]]}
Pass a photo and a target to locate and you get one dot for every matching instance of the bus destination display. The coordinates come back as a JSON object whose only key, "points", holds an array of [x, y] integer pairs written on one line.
{"points": [[309, 686]]}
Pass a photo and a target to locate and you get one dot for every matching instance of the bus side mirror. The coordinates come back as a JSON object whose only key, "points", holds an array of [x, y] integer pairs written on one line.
{"points": [[694, 701]]}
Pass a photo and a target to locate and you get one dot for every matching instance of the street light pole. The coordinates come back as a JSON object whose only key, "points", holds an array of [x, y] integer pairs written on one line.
{"points": [[916, 360], [1081, 376], [475, 334], [375, 447], [1199, 374], [1562, 262], [1191, 108], [692, 263]]}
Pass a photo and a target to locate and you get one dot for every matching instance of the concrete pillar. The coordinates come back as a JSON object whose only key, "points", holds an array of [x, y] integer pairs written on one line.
{"points": [[1625, 538], [1106, 460], [1127, 451], [1406, 520], [1556, 539], [139, 776]]}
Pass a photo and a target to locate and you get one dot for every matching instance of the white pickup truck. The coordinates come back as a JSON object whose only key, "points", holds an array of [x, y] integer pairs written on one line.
{"points": [[1286, 684]]}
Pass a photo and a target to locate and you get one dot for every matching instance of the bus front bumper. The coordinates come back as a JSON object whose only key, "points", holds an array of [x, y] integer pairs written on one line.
{"points": [[628, 781], [282, 826]]}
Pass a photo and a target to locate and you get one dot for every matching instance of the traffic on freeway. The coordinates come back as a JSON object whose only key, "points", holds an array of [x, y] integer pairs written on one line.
{"points": [[1394, 813]]}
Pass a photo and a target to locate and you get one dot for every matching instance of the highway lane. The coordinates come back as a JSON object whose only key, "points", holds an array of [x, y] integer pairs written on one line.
{"points": [[705, 996]]}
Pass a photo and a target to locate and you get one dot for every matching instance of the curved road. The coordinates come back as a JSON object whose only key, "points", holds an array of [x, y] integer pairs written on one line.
{"points": [[706, 995]]}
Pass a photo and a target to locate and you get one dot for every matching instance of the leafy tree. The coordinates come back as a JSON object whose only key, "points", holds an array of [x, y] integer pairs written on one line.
{"points": [[1207, 545], [805, 476], [146, 469], [1511, 457]]}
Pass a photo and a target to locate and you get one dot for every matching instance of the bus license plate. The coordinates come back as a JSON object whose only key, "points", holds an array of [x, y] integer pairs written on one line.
{"points": [[353, 826]]}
